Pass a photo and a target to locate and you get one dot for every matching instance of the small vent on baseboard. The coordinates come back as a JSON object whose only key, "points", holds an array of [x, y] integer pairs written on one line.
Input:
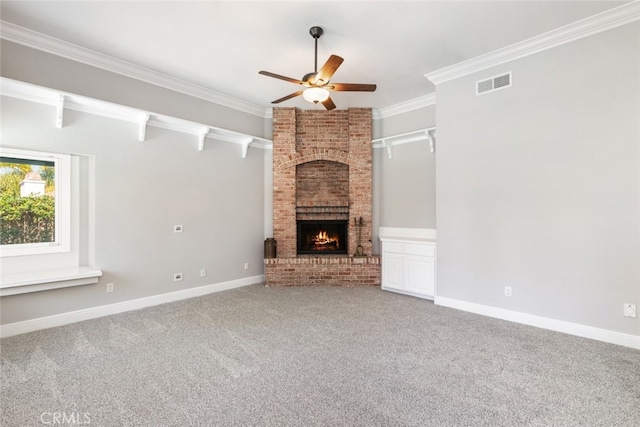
{"points": [[494, 83]]}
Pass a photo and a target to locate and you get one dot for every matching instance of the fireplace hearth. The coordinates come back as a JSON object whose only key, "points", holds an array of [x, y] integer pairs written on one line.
{"points": [[327, 237]]}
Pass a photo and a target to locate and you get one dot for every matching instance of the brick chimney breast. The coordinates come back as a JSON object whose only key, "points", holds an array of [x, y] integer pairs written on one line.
{"points": [[322, 169]]}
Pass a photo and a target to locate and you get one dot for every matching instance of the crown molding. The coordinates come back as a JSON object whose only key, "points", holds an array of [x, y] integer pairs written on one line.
{"points": [[603, 21], [405, 107], [33, 39]]}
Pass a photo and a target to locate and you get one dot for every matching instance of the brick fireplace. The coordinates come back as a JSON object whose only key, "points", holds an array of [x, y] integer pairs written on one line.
{"points": [[322, 177]]}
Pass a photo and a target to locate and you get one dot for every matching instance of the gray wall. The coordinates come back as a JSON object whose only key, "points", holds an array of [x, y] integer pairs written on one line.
{"points": [[538, 185], [404, 186], [420, 118], [407, 186], [141, 190]]}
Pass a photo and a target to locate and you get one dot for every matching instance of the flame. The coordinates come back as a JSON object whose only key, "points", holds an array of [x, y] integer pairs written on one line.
{"points": [[323, 238]]}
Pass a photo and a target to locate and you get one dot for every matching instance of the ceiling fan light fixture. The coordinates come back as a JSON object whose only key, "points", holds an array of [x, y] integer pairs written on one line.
{"points": [[315, 94], [317, 83]]}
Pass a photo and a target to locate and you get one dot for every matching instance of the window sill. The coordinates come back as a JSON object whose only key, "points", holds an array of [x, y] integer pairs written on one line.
{"points": [[44, 280]]}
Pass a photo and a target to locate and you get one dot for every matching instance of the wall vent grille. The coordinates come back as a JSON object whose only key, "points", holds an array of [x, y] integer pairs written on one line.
{"points": [[494, 83]]}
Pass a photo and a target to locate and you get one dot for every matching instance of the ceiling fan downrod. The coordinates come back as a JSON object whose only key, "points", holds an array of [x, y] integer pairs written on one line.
{"points": [[316, 32]]}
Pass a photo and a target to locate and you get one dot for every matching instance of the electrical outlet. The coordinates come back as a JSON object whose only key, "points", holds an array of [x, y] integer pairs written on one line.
{"points": [[203, 272], [630, 310], [507, 291], [109, 287], [246, 265], [177, 277], [177, 228]]}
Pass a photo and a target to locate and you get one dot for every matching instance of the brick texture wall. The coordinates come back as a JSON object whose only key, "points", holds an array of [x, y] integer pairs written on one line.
{"points": [[325, 129], [324, 271], [284, 180], [322, 184], [360, 176], [322, 169], [328, 148]]}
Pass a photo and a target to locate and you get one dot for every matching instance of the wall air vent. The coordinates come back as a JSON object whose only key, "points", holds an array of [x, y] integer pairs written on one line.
{"points": [[494, 83]]}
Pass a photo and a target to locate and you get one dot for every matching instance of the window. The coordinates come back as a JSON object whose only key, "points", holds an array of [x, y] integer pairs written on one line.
{"points": [[35, 202]]}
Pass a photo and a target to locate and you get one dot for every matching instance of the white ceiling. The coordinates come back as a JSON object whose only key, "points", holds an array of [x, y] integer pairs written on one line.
{"points": [[221, 45]]}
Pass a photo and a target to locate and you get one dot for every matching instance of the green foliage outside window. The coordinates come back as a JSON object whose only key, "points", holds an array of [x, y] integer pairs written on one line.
{"points": [[29, 219]]}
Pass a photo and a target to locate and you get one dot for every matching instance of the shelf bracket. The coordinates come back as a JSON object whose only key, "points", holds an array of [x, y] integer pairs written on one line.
{"points": [[60, 112], [142, 127], [432, 141], [201, 136], [245, 146], [387, 145]]}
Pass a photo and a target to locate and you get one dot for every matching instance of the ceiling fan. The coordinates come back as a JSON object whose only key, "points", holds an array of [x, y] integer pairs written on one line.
{"points": [[317, 84]]}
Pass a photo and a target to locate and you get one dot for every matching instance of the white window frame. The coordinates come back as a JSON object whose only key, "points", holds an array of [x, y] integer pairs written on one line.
{"points": [[62, 241]]}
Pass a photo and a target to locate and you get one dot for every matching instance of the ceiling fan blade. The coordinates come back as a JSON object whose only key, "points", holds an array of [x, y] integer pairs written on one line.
{"points": [[278, 76], [327, 70], [352, 87], [284, 98], [328, 104]]}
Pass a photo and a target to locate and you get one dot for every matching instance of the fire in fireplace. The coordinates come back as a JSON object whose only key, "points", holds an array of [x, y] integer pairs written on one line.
{"points": [[322, 237]]}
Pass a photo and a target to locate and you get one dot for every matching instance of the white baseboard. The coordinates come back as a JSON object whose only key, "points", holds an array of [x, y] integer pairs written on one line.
{"points": [[405, 292], [576, 329], [17, 328]]}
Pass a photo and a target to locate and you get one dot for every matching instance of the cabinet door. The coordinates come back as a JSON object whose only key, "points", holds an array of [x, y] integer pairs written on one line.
{"points": [[419, 274], [392, 270]]}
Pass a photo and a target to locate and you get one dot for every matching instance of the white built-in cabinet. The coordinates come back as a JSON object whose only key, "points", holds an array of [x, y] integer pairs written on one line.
{"points": [[409, 261]]}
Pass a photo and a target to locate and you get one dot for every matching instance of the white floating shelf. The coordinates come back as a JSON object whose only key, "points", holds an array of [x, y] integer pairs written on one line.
{"points": [[64, 100]]}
